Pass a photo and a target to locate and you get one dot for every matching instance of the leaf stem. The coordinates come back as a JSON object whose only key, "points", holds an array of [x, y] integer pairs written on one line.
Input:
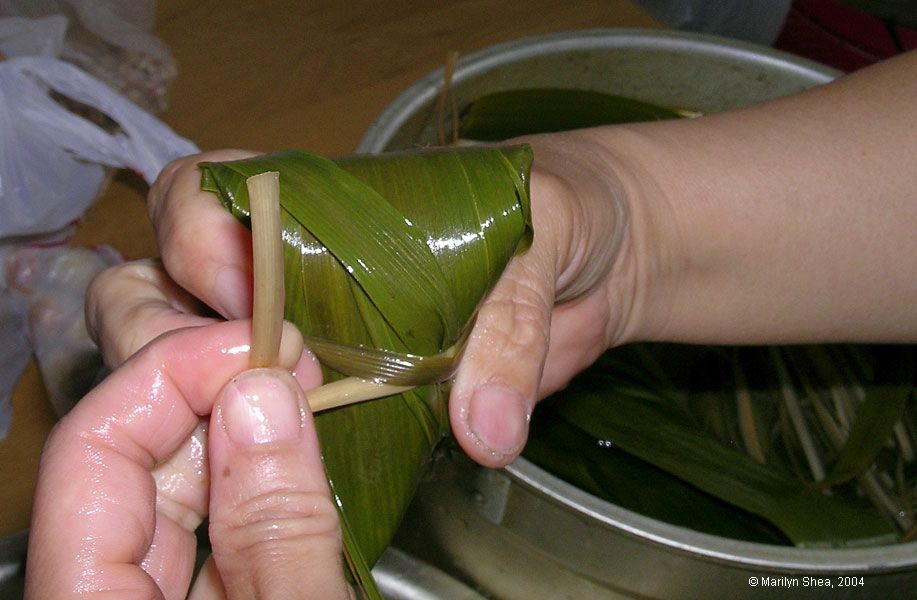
{"points": [[267, 265], [791, 401], [350, 391], [904, 443], [746, 413], [446, 95], [868, 480]]}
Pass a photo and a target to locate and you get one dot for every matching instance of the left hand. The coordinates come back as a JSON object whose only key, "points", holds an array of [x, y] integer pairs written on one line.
{"points": [[179, 432]]}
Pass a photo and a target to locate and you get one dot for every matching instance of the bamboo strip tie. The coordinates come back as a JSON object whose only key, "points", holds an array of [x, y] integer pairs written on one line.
{"points": [[267, 305]]}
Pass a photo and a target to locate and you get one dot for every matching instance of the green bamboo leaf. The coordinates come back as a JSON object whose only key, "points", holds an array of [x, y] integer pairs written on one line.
{"points": [[608, 472], [874, 422], [649, 432], [371, 239], [503, 115], [386, 260]]}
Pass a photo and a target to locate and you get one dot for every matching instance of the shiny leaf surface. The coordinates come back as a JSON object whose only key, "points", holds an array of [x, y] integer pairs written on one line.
{"points": [[386, 259]]}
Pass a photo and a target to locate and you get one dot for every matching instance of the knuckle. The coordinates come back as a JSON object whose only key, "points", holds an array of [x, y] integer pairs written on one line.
{"points": [[138, 331], [174, 170], [510, 337], [160, 189], [101, 296], [116, 307], [525, 323], [102, 282], [271, 522], [518, 315], [188, 245], [177, 175], [109, 281]]}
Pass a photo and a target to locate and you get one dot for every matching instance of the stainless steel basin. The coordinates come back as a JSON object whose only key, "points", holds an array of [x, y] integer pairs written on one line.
{"points": [[520, 533]]}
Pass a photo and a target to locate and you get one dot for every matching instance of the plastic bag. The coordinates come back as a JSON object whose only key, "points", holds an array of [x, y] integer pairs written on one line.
{"points": [[42, 293], [52, 167], [33, 37], [47, 289], [110, 39], [50, 158], [14, 354]]}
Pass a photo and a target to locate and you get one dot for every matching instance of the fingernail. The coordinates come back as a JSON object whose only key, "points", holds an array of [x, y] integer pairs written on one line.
{"points": [[231, 287], [499, 419], [261, 406]]}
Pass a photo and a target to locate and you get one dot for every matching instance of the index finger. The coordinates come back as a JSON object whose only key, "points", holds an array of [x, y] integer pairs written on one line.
{"points": [[204, 248]]}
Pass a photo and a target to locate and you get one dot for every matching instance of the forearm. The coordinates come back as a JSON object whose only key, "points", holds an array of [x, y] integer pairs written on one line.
{"points": [[791, 221]]}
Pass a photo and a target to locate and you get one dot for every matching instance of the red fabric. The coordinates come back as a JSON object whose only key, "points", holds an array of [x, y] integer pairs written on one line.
{"points": [[839, 36]]}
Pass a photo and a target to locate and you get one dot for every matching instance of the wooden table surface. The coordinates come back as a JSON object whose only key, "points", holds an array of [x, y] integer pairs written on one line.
{"points": [[281, 74]]}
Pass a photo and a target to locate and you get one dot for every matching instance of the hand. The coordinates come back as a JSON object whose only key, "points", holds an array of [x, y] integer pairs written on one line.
{"points": [[579, 218], [180, 431], [557, 307]]}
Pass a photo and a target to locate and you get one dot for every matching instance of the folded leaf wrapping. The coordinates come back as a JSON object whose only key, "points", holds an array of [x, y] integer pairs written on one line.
{"points": [[392, 252]]}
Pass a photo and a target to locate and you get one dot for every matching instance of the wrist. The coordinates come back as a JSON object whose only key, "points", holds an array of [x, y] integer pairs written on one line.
{"points": [[651, 260]]}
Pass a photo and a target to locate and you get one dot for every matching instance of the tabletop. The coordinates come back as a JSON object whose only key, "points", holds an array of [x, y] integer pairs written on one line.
{"points": [[283, 74]]}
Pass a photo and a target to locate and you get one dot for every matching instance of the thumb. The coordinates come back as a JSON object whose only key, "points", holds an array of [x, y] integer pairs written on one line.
{"points": [[273, 526], [498, 378]]}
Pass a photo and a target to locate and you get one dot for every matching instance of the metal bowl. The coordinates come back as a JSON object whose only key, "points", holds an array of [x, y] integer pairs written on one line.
{"points": [[523, 533], [689, 71]]}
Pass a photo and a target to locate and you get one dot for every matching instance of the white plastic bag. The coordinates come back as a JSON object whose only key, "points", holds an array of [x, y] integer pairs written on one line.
{"points": [[33, 37], [112, 40], [50, 158], [123, 23], [52, 167]]}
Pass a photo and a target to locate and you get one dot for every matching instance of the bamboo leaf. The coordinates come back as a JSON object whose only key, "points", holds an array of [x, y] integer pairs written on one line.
{"points": [[608, 472], [380, 249], [386, 259], [503, 115], [650, 432], [874, 422]]}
